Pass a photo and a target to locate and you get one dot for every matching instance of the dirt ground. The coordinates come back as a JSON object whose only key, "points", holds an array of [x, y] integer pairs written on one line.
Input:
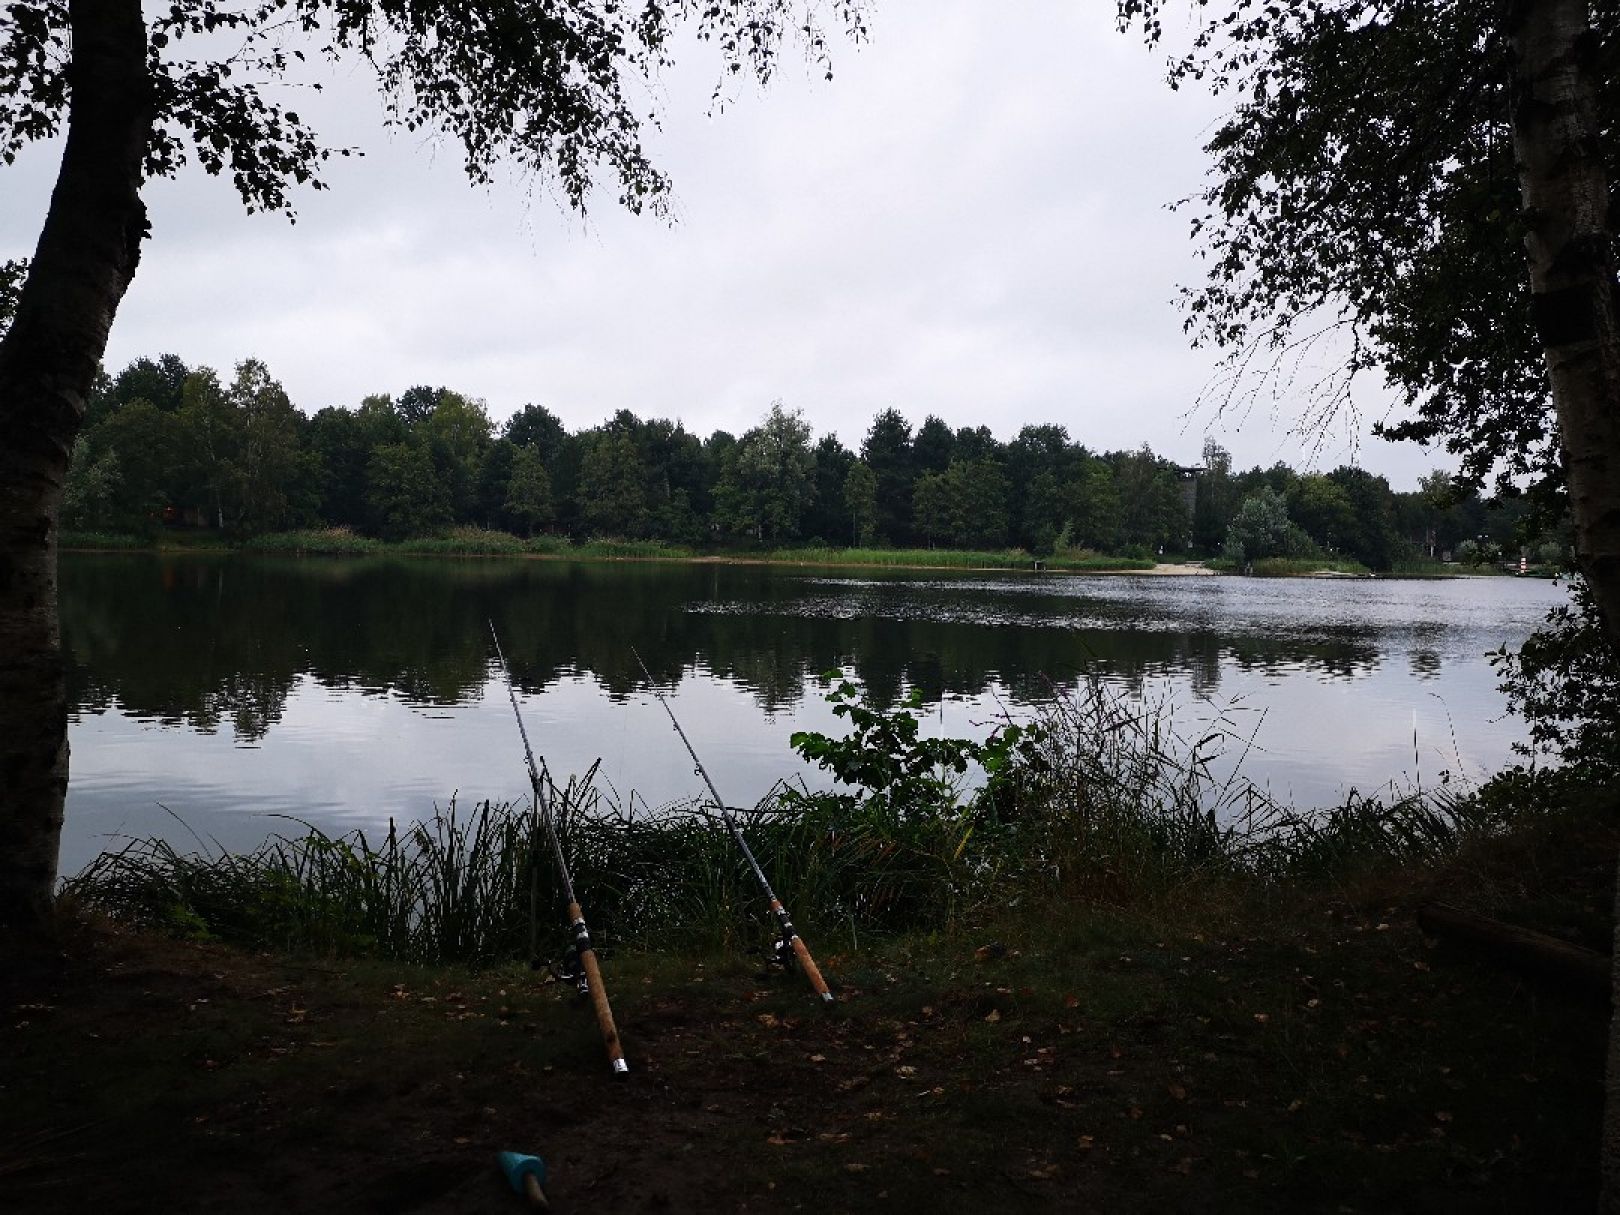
{"points": [[1334, 1059]]}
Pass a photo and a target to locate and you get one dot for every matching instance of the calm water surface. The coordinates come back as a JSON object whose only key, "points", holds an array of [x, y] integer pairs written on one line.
{"points": [[229, 690]]}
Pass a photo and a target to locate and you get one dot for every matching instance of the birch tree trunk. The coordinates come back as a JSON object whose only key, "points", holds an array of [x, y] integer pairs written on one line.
{"points": [[1572, 275], [87, 253]]}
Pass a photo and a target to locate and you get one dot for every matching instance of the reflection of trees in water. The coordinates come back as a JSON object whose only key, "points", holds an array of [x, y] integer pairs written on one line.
{"points": [[1425, 664], [199, 640], [1344, 652]]}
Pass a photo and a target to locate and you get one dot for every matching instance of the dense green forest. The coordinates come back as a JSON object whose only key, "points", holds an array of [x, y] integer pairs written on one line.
{"points": [[167, 445]]}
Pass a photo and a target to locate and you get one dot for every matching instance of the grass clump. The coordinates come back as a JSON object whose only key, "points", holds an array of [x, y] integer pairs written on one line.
{"points": [[451, 889], [1097, 561], [322, 542], [463, 542], [1290, 567], [610, 549], [944, 558]]}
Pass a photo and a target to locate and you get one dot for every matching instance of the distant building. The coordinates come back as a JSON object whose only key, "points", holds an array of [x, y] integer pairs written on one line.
{"points": [[1190, 475]]}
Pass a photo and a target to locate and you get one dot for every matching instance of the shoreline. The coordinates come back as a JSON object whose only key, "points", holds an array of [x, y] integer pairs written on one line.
{"points": [[1124, 565], [911, 561], [1171, 569]]}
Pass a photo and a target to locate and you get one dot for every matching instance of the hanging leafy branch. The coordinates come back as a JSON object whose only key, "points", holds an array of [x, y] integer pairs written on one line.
{"points": [[1362, 214]]}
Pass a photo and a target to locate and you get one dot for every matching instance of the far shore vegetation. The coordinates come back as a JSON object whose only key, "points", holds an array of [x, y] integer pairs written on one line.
{"points": [[480, 542], [173, 455], [483, 542]]}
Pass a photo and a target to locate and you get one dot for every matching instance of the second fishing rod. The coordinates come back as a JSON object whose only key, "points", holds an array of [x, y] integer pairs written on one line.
{"points": [[790, 940], [539, 781]]}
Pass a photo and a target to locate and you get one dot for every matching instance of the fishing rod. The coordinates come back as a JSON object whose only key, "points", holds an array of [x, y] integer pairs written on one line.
{"points": [[576, 917], [790, 938]]}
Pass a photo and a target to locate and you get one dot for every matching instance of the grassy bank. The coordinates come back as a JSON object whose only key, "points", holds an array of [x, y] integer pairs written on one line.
{"points": [[459, 542], [478, 542], [1423, 568], [1290, 567], [159, 541], [940, 558], [1216, 1046]]}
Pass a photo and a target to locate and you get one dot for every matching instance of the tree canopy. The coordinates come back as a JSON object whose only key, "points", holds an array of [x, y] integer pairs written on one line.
{"points": [[238, 457], [553, 89], [1363, 212]]}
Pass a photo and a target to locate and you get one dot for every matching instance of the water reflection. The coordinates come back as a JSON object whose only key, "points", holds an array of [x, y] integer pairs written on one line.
{"points": [[349, 675]]}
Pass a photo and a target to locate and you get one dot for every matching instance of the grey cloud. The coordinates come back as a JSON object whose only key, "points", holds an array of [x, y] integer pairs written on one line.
{"points": [[969, 220]]}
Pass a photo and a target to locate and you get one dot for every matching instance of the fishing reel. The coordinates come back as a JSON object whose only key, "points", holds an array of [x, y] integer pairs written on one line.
{"points": [[780, 956], [569, 969]]}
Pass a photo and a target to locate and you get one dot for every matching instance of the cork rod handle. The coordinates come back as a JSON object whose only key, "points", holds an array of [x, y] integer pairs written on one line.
{"points": [[604, 1011], [808, 964]]}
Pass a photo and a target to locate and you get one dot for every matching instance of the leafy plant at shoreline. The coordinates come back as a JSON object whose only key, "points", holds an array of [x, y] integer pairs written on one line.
{"points": [[903, 774], [1565, 682]]}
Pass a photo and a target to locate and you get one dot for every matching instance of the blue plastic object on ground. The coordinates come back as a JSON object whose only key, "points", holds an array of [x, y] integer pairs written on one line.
{"points": [[525, 1174]]}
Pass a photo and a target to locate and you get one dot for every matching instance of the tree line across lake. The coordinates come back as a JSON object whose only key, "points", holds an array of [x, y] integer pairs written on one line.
{"points": [[167, 444]]}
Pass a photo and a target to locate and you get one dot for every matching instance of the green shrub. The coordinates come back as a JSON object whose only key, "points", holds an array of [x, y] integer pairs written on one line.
{"points": [[463, 542], [325, 541]]}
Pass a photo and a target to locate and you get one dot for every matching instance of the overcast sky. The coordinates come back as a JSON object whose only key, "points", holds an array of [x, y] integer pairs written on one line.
{"points": [[969, 220]]}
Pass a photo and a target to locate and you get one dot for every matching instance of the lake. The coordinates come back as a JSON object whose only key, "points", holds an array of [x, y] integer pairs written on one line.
{"points": [[212, 693]]}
